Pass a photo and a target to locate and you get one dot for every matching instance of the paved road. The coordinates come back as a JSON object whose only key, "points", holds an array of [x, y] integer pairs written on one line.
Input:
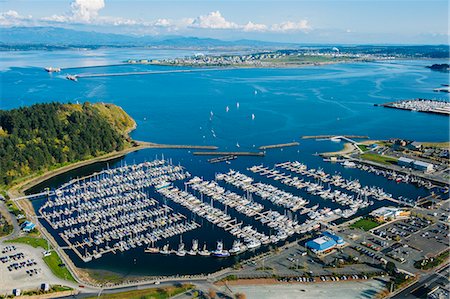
{"points": [[419, 289], [12, 219], [203, 285]]}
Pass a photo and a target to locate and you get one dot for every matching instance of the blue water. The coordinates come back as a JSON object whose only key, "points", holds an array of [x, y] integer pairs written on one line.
{"points": [[176, 108]]}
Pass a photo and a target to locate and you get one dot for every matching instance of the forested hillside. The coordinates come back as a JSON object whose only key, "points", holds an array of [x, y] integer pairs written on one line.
{"points": [[45, 136]]}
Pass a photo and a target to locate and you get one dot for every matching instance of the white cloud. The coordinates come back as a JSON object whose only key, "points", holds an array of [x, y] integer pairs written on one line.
{"points": [[250, 26], [214, 20], [13, 18], [291, 26], [163, 23], [86, 10]]}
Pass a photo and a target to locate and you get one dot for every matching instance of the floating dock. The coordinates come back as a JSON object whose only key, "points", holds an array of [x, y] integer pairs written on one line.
{"points": [[280, 145], [258, 154]]}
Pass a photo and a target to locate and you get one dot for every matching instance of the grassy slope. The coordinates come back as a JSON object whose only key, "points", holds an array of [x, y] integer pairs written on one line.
{"points": [[157, 293], [379, 158]]}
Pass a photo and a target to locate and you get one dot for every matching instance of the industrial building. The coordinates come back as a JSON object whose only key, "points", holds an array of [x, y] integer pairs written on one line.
{"points": [[386, 213], [415, 164]]}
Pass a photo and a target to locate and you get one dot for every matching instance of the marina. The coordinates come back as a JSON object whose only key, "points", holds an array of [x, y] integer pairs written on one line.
{"points": [[421, 105], [110, 211], [114, 210]]}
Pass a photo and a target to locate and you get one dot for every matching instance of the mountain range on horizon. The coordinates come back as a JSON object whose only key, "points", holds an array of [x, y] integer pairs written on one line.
{"points": [[47, 37], [56, 36]]}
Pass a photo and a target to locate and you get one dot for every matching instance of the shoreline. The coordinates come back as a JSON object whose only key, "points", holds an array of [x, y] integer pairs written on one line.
{"points": [[348, 149], [20, 188]]}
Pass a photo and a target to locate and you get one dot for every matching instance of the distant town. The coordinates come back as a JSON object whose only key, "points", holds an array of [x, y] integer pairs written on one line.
{"points": [[279, 58]]}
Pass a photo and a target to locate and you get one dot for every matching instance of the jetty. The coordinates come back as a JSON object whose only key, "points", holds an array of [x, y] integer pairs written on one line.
{"points": [[257, 154], [59, 69], [222, 159], [333, 136], [87, 75], [145, 144], [280, 145]]}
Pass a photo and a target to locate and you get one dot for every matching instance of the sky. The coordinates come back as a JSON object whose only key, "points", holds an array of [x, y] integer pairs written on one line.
{"points": [[300, 21]]}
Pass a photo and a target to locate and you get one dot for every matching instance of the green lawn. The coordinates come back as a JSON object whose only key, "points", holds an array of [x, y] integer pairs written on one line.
{"points": [[379, 158], [53, 261], [363, 147], [365, 224], [156, 293], [35, 242]]}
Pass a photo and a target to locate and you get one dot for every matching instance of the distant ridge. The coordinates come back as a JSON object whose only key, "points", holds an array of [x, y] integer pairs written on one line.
{"points": [[53, 36]]}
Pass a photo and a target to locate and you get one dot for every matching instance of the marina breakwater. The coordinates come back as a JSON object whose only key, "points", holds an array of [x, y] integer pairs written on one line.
{"points": [[332, 136], [257, 154], [92, 75], [280, 145]]}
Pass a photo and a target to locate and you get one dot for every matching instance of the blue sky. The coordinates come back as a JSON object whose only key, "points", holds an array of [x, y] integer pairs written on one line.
{"points": [[332, 21]]}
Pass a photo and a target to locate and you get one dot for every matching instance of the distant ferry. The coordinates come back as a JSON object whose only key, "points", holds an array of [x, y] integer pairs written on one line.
{"points": [[71, 77], [52, 69]]}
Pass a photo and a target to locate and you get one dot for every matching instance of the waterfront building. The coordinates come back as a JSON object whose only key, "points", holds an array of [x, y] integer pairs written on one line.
{"points": [[415, 164], [423, 166], [386, 213], [403, 161], [325, 244], [28, 226]]}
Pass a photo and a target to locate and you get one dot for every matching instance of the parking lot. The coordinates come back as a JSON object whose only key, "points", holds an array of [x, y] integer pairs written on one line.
{"points": [[421, 235], [22, 267], [294, 263]]}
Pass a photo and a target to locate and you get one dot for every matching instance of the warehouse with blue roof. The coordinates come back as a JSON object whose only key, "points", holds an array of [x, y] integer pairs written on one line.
{"points": [[325, 243]]}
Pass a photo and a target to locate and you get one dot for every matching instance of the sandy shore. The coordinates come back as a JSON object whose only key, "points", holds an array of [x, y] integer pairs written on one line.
{"points": [[348, 149]]}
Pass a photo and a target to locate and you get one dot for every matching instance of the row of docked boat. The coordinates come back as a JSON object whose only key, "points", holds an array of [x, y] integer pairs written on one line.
{"points": [[336, 180], [353, 203], [281, 223], [394, 175], [216, 216], [220, 251], [265, 191], [110, 211]]}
